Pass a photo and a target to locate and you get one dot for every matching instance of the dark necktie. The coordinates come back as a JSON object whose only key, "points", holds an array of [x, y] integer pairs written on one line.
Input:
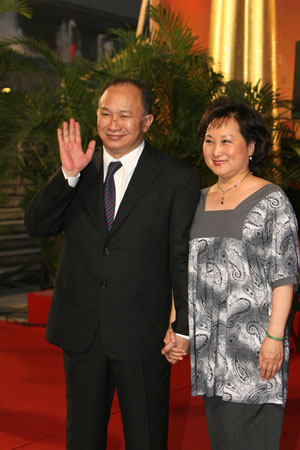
{"points": [[110, 193]]}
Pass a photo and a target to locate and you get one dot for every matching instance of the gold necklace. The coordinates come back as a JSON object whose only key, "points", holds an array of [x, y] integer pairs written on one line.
{"points": [[230, 189]]}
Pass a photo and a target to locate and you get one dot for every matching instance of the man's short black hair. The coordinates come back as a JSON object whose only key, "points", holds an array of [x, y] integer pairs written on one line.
{"points": [[145, 92]]}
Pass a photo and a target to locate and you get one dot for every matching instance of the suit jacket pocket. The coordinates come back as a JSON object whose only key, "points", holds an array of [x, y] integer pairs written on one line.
{"points": [[64, 282], [155, 295]]}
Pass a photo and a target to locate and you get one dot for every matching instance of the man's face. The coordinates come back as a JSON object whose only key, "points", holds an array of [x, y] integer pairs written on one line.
{"points": [[122, 122]]}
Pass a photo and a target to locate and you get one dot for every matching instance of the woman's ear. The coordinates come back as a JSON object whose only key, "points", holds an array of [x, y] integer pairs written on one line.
{"points": [[251, 148]]}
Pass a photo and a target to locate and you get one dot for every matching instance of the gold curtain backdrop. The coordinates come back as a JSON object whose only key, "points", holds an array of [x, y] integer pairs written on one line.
{"points": [[242, 39]]}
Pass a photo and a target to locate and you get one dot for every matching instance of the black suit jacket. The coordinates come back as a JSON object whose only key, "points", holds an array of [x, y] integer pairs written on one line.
{"points": [[121, 280]]}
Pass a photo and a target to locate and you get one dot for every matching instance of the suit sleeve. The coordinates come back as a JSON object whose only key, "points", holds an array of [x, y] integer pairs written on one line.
{"points": [[183, 210], [45, 214]]}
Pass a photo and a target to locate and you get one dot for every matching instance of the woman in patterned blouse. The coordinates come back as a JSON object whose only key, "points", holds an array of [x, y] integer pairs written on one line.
{"points": [[243, 268]]}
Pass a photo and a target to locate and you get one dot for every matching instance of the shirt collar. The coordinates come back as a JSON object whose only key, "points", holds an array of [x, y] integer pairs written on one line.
{"points": [[129, 161]]}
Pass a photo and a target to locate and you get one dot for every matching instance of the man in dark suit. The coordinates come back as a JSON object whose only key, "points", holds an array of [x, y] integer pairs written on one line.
{"points": [[125, 252]]}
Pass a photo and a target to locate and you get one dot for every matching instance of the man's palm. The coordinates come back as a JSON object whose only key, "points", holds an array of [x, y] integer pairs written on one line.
{"points": [[72, 156]]}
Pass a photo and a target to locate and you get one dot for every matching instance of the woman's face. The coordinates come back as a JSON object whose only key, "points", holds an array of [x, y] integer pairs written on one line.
{"points": [[225, 150]]}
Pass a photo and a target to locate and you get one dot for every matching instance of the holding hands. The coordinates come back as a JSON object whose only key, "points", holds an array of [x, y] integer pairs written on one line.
{"points": [[176, 347], [73, 158]]}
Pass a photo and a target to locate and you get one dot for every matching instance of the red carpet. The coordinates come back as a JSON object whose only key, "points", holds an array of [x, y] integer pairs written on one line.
{"points": [[32, 399]]}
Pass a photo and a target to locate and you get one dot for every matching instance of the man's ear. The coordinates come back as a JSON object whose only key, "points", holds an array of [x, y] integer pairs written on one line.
{"points": [[148, 119]]}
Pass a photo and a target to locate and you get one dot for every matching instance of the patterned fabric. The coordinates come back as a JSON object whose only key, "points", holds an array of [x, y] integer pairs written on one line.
{"points": [[230, 295], [110, 193]]}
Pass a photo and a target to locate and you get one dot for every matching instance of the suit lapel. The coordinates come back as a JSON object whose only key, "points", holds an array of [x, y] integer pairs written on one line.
{"points": [[144, 174]]}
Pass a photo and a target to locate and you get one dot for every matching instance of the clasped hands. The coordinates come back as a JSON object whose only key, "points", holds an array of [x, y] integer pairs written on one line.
{"points": [[176, 347]]}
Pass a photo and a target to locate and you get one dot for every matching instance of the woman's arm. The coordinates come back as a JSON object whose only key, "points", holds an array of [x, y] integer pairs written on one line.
{"points": [[271, 352]]}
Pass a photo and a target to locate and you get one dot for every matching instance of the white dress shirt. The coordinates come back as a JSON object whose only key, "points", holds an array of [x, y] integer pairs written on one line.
{"points": [[121, 177]]}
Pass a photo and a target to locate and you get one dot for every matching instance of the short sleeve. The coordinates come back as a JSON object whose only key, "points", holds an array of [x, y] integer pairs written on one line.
{"points": [[284, 248]]}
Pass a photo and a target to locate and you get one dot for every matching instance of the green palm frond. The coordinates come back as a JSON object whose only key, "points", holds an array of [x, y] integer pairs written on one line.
{"points": [[261, 97], [41, 49], [172, 32], [12, 61], [20, 7]]}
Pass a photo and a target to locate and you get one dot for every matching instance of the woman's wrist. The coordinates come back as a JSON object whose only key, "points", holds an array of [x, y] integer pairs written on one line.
{"points": [[276, 329], [275, 338]]}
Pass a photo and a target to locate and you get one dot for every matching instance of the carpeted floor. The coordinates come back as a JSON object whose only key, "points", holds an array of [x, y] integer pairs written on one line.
{"points": [[32, 399]]}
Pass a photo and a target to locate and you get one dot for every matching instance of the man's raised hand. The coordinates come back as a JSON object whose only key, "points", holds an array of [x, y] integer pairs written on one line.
{"points": [[72, 156]]}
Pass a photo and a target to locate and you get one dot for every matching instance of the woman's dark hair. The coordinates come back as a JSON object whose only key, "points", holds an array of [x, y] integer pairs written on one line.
{"points": [[145, 92], [252, 127]]}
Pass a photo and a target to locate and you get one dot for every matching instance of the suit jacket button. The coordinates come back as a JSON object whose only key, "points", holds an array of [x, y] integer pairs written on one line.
{"points": [[104, 284], [107, 251]]}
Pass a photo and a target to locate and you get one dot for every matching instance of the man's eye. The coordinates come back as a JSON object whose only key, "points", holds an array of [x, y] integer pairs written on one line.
{"points": [[104, 114]]}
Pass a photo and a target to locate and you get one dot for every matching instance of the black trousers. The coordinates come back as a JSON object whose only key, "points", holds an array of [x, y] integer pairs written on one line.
{"points": [[238, 426], [143, 391]]}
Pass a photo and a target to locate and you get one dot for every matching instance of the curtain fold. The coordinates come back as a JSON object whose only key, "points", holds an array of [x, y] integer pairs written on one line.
{"points": [[242, 39]]}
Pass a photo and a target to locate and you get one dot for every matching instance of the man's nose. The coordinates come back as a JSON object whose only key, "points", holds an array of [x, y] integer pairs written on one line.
{"points": [[114, 123]]}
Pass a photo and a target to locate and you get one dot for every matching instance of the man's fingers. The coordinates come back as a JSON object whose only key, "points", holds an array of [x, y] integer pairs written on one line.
{"points": [[65, 132], [168, 358], [167, 348], [90, 150], [72, 132], [77, 132], [59, 136]]}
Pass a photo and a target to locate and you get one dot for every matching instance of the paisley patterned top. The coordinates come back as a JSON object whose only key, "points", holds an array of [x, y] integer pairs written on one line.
{"points": [[236, 259]]}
